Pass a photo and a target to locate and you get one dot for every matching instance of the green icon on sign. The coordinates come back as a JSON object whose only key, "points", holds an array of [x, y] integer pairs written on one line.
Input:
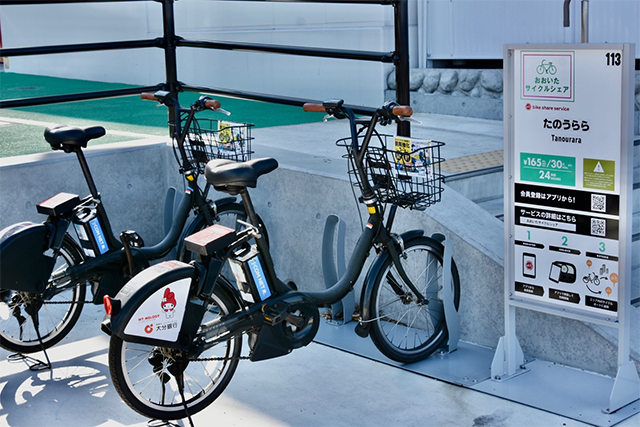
{"points": [[549, 169], [599, 174]]}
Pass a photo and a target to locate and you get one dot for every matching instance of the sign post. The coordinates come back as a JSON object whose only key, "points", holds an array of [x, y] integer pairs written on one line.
{"points": [[568, 194]]}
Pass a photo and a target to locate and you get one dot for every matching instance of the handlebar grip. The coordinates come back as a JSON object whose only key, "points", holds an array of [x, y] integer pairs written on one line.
{"points": [[212, 103], [314, 108], [402, 110], [148, 96]]}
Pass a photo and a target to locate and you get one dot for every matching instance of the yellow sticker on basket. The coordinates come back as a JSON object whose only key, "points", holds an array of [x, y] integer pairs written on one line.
{"points": [[371, 209]]}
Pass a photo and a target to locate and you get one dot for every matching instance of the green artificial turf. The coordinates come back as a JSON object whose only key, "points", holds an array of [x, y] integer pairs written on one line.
{"points": [[127, 113]]}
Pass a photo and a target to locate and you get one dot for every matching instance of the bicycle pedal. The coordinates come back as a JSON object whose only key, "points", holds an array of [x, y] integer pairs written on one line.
{"points": [[274, 315], [131, 239]]}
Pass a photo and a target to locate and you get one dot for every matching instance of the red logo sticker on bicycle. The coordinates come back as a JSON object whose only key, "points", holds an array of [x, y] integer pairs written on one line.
{"points": [[148, 329]]}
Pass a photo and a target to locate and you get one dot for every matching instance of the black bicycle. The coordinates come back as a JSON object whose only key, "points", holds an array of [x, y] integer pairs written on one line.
{"points": [[177, 329], [45, 271]]}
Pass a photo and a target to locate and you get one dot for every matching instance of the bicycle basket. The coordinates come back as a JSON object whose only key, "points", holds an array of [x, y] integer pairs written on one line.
{"points": [[209, 139], [401, 171]]}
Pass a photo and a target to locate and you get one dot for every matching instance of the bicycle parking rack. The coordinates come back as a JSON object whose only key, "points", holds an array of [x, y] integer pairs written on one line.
{"points": [[334, 266], [451, 314]]}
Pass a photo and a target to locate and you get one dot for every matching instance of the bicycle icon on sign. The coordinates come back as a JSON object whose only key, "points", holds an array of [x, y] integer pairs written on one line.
{"points": [[546, 68], [591, 279]]}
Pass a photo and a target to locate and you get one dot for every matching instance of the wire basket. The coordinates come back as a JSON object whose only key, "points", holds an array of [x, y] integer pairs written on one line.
{"points": [[209, 139], [401, 171]]}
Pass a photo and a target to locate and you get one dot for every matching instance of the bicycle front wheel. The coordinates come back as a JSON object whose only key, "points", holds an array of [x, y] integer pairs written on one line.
{"points": [[56, 314], [402, 329], [146, 377]]}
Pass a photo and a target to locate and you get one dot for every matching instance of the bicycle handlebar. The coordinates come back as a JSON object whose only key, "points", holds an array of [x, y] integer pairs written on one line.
{"points": [[148, 96], [212, 103], [314, 108], [206, 103], [397, 110]]}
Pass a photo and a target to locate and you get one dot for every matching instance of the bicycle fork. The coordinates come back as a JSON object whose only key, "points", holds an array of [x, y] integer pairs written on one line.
{"points": [[395, 285]]}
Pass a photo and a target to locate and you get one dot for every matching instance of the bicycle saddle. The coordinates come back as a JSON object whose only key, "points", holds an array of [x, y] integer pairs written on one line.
{"points": [[67, 137], [230, 177]]}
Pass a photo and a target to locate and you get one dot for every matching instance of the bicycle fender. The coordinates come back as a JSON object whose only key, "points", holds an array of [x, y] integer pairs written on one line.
{"points": [[22, 254], [372, 273], [155, 307]]}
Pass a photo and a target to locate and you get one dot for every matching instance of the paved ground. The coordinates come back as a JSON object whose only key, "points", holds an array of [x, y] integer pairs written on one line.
{"points": [[314, 386]]}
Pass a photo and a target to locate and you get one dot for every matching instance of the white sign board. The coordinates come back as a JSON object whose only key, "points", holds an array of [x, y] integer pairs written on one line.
{"points": [[569, 177]]}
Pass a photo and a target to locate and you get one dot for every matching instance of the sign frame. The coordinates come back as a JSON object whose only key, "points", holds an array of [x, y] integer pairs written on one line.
{"points": [[555, 159]]}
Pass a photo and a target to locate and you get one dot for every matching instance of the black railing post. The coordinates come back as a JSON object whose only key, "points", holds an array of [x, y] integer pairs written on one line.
{"points": [[170, 58], [401, 24]]}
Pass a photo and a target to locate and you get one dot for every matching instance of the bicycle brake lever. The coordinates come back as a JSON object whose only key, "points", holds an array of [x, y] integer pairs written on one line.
{"points": [[223, 111], [251, 229], [409, 119]]}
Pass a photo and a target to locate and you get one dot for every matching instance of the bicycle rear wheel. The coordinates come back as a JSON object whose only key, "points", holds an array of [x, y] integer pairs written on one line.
{"points": [[145, 376], [402, 329], [56, 315]]}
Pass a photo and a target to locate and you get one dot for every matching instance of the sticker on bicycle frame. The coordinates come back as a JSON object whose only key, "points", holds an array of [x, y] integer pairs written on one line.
{"points": [[371, 209], [96, 229], [160, 316], [259, 278]]}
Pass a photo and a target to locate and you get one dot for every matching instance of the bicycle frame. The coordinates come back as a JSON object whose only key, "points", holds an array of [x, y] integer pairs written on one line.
{"points": [[178, 317], [253, 315]]}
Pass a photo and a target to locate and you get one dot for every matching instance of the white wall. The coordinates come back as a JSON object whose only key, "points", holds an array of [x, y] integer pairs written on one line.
{"points": [[354, 27], [477, 29]]}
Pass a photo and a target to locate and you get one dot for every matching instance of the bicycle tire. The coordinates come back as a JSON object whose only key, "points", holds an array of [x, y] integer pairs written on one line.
{"points": [[141, 373], [57, 315], [401, 329]]}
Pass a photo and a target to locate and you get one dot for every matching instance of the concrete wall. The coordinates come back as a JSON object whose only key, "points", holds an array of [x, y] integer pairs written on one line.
{"points": [[469, 93], [131, 177], [294, 204]]}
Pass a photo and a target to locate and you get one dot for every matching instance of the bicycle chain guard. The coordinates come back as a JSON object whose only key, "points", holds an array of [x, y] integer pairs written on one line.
{"points": [[290, 325]]}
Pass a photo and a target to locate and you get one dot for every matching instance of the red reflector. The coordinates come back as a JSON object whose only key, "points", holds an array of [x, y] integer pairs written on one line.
{"points": [[108, 307]]}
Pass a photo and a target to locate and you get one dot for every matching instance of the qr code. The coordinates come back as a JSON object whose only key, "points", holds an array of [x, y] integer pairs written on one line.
{"points": [[598, 227], [599, 202]]}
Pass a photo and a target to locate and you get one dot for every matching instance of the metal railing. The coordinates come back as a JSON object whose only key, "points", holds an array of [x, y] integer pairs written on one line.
{"points": [[170, 42]]}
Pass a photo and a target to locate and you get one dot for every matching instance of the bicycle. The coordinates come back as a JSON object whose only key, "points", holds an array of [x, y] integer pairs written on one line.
{"points": [[45, 271], [176, 330]]}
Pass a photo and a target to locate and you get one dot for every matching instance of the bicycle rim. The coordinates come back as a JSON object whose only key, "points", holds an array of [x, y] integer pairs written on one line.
{"points": [[402, 329], [144, 375], [56, 316]]}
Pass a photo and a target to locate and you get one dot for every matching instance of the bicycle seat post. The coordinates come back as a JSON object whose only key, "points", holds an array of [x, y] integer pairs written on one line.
{"points": [[87, 173]]}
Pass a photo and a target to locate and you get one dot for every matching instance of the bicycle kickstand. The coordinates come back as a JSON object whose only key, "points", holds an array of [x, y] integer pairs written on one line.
{"points": [[33, 363]]}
